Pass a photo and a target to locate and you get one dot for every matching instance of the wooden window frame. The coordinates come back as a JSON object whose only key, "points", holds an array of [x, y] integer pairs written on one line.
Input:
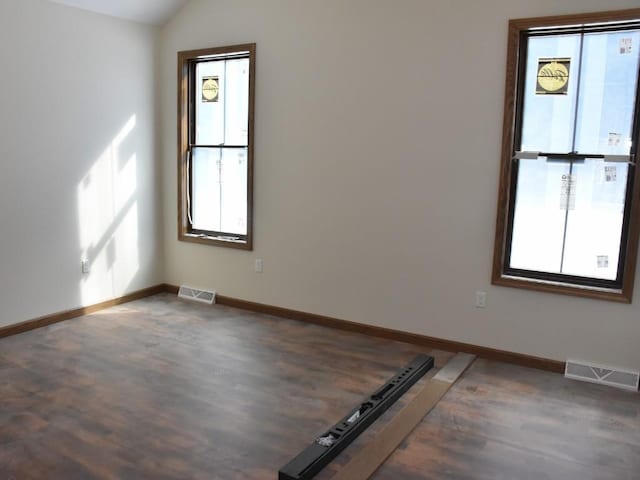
{"points": [[186, 119], [517, 30]]}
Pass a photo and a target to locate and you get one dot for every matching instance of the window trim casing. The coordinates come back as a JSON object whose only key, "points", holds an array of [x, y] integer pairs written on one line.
{"points": [[184, 113], [517, 27]]}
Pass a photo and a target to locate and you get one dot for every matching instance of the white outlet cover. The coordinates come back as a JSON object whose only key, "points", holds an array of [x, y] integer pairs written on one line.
{"points": [[481, 299]]}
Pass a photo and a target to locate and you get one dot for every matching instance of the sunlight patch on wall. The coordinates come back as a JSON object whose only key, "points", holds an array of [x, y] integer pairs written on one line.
{"points": [[108, 219]]}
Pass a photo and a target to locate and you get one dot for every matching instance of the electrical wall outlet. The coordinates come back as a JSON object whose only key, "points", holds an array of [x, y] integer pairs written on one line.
{"points": [[481, 299], [258, 265], [85, 266]]}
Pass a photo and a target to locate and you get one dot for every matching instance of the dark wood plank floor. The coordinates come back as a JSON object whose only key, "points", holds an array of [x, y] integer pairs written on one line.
{"points": [[163, 389], [503, 422]]}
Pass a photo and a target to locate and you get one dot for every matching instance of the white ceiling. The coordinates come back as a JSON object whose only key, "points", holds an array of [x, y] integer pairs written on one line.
{"points": [[154, 12]]}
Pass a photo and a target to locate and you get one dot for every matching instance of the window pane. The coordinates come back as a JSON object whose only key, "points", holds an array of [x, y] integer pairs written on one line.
{"points": [[594, 226], [237, 102], [210, 112], [607, 92], [539, 216], [222, 102], [205, 197], [219, 195], [548, 120], [234, 191]]}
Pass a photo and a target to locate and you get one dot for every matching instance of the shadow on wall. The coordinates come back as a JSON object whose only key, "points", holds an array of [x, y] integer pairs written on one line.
{"points": [[108, 220]]}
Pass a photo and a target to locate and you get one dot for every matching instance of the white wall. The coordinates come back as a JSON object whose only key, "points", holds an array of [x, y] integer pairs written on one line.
{"points": [[378, 127], [77, 159]]}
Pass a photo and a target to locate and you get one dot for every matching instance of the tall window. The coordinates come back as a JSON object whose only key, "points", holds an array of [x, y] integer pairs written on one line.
{"points": [[569, 180], [215, 129]]}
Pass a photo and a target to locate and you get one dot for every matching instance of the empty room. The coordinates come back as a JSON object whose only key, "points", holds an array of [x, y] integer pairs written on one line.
{"points": [[319, 239]]}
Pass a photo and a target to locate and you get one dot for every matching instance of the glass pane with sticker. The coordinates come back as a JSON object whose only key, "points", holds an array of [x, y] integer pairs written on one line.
{"points": [[594, 225], [222, 102], [607, 92], [550, 93], [539, 215], [209, 103]]}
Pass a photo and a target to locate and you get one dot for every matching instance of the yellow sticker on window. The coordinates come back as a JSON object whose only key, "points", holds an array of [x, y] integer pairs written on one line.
{"points": [[553, 76], [210, 89]]}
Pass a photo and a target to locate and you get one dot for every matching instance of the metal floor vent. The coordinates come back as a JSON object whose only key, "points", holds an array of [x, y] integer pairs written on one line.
{"points": [[203, 296], [614, 377]]}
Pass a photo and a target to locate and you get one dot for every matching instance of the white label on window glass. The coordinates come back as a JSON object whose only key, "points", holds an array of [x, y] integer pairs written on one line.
{"points": [[603, 261], [610, 173], [625, 46], [615, 139], [568, 192]]}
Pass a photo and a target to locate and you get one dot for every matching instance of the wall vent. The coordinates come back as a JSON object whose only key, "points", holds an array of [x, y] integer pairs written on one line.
{"points": [[203, 296], [614, 377]]}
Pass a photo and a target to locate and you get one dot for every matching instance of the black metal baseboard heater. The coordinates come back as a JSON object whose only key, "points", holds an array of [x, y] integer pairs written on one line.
{"points": [[327, 447]]}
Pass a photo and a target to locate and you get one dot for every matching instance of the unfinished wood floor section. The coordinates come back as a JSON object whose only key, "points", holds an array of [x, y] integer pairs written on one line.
{"points": [[163, 389]]}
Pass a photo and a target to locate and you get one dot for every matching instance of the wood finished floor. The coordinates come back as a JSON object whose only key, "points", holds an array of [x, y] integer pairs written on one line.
{"points": [[163, 389]]}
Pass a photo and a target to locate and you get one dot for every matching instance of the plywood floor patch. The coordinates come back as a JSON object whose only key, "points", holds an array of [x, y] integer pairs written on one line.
{"points": [[373, 454]]}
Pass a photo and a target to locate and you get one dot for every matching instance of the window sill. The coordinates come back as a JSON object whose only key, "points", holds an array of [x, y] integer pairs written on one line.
{"points": [[610, 294], [216, 241]]}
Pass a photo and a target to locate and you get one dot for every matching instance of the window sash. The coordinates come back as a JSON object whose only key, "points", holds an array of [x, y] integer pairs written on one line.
{"points": [[566, 248], [223, 175]]}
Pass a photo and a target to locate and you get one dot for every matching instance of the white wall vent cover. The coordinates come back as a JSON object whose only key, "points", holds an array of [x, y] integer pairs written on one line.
{"points": [[203, 296], [614, 377]]}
